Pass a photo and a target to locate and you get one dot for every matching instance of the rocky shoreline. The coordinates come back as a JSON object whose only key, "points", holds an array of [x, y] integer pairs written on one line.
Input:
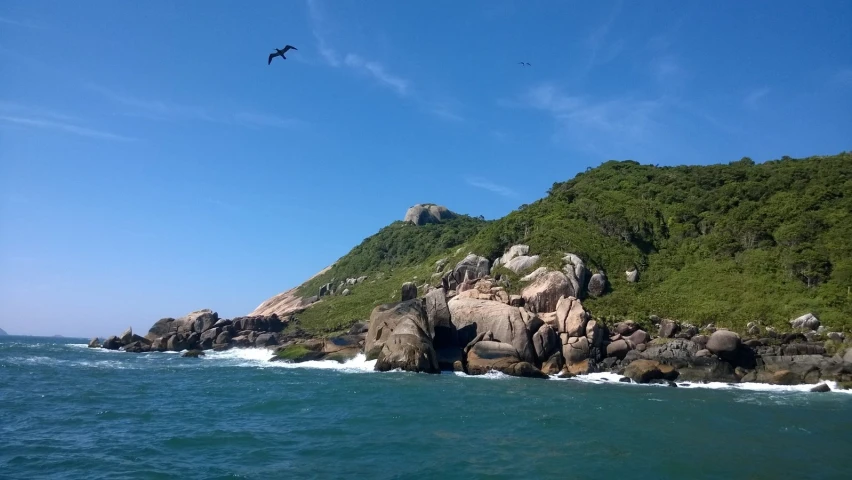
{"points": [[468, 322]]}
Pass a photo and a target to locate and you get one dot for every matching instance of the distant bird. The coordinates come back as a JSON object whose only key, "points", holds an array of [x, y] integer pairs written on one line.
{"points": [[525, 64], [281, 53]]}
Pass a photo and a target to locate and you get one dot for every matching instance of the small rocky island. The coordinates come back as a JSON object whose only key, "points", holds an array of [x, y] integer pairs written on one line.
{"points": [[466, 321]]}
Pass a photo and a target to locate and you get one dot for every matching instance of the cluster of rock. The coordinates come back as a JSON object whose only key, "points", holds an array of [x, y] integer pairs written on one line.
{"points": [[204, 330], [466, 320], [340, 288], [470, 323], [201, 330]]}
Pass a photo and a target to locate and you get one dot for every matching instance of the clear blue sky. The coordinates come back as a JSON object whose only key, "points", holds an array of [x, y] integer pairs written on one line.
{"points": [[151, 163]]}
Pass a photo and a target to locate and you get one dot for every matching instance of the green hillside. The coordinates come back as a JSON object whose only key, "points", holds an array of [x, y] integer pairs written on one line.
{"points": [[727, 244]]}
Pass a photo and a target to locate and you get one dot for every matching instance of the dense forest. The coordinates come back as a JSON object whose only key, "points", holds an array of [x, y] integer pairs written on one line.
{"points": [[728, 243]]}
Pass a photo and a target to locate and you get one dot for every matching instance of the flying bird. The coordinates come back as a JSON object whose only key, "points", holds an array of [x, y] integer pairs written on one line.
{"points": [[525, 64], [281, 53]]}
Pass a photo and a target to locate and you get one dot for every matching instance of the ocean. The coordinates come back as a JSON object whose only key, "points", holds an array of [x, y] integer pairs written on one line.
{"points": [[69, 412]]}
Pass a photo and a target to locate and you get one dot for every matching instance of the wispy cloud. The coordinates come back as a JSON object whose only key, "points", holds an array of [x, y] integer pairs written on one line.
{"points": [[370, 68], [378, 72], [155, 109], [491, 187], [62, 126], [19, 22], [35, 117], [596, 125], [752, 100], [603, 49]]}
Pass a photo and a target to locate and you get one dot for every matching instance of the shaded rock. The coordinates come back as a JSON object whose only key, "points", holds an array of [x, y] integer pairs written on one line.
{"points": [[486, 356], [176, 342], [821, 388], [807, 322], [703, 353], [643, 371], [516, 300], [163, 327], [724, 343], [785, 377], [754, 330], [617, 349], [94, 343], [358, 328], [534, 274], [440, 264], [513, 252], [137, 347], [700, 340], [450, 359], [639, 336], [208, 338], [192, 354], [472, 317], [266, 340], [437, 310], [502, 296], [625, 328], [571, 317], [127, 336], [112, 343], [624, 380], [472, 267], [192, 341], [424, 213], [345, 292], [554, 364], [597, 285], [836, 336], [707, 369], [575, 271], [576, 350], [386, 318], [408, 348], [160, 344], [632, 275], [668, 328], [223, 322], [543, 294], [686, 332], [546, 343], [409, 291], [522, 263], [677, 349], [205, 321], [224, 338]]}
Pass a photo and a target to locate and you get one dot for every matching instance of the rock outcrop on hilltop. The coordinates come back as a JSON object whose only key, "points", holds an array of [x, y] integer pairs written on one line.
{"points": [[3, 332], [424, 213]]}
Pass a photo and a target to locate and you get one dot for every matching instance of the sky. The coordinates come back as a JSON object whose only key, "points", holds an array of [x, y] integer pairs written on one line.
{"points": [[152, 163]]}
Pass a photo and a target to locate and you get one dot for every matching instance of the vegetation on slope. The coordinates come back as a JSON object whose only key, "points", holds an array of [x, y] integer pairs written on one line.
{"points": [[727, 244]]}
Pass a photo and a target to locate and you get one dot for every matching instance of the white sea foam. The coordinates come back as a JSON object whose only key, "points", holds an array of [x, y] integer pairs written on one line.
{"points": [[608, 377], [259, 357]]}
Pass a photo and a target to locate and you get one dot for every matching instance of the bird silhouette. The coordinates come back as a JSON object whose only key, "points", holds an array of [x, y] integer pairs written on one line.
{"points": [[280, 53], [524, 64]]}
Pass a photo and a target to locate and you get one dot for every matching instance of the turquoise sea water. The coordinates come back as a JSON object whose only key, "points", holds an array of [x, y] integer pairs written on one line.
{"points": [[71, 412]]}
